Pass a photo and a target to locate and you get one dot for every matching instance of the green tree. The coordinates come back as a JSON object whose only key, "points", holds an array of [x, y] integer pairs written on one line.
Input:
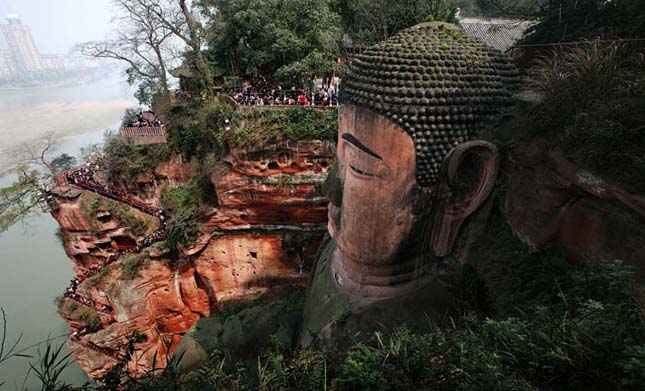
{"points": [[569, 20], [369, 21], [520, 9], [290, 39], [30, 168]]}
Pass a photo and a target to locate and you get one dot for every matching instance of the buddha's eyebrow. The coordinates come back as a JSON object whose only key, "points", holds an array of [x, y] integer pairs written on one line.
{"points": [[353, 140]]}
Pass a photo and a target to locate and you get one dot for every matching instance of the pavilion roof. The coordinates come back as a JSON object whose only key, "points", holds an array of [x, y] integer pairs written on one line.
{"points": [[501, 34]]}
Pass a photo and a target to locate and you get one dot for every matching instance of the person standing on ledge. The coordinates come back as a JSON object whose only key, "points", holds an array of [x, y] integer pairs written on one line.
{"points": [[412, 181]]}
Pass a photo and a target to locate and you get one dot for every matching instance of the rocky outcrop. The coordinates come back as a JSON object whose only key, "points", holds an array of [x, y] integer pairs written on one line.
{"points": [[269, 222], [550, 200], [93, 227]]}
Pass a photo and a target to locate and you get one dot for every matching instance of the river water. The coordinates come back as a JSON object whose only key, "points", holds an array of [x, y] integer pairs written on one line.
{"points": [[34, 269]]}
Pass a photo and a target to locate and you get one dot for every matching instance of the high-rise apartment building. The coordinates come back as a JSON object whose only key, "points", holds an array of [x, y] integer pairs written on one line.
{"points": [[20, 43], [7, 64]]}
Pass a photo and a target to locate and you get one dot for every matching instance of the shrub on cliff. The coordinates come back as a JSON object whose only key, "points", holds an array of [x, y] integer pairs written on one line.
{"points": [[131, 264], [197, 128], [123, 159], [594, 108], [183, 207], [273, 125]]}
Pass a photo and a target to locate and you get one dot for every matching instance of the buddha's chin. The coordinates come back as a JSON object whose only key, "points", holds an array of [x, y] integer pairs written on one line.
{"points": [[360, 255]]}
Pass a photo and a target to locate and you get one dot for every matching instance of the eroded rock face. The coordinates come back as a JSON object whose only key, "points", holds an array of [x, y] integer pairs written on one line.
{"points": [[551, 200], [91, 228], [264, 234]]}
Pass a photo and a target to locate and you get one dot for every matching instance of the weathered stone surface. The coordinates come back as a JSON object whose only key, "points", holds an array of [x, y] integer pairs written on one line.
{"points": [[391, 233], [337, 318], [235, 266], [413, 182], [550, 200], [91, 234], [175, 171]]}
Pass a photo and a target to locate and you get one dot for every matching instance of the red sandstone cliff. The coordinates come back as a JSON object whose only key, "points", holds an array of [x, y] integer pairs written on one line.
{"points": [[551, 200], [267, 227]]}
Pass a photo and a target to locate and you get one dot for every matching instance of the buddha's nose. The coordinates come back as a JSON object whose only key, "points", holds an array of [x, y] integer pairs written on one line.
{"points": [[333, 186]]}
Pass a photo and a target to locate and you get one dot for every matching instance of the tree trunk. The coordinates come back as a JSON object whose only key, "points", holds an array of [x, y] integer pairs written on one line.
{"points": [[195, 43], [163, 71]]}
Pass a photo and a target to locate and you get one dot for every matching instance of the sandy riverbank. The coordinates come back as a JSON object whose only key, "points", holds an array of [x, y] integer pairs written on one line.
{"points": [[63, 118]]}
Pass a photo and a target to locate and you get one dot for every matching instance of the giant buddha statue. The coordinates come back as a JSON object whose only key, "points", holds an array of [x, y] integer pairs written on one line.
{"points": [[412, 181]]}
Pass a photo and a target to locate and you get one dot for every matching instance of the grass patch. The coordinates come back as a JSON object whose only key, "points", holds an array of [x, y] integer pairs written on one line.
{"points": [[131, 264], [90, 317], [183, 207], [127, 217], [95, 280]]}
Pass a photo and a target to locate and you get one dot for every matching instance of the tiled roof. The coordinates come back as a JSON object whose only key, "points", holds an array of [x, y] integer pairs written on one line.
{"points": [[501, 34]]}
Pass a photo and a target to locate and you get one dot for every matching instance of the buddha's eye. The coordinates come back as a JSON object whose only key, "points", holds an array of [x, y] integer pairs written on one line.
{"points": [[360, 163], [359, 171]]}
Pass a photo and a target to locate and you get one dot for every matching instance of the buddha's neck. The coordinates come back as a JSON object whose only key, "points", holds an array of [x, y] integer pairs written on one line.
{"points": [[379, 281]]}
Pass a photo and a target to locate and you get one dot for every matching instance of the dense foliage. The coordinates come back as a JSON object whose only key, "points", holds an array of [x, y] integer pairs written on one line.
{"points": [[516, 9], [594, 106], [571, 20], [182, 205], [124, 159], [197, 128], [289, 39], [366, 22]]}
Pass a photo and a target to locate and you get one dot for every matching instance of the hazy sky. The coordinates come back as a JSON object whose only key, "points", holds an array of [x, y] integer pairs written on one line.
{"points": [[59, 24]]}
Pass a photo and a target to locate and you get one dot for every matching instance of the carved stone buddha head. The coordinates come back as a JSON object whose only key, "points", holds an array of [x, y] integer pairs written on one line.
{"points": [[412, 169]]}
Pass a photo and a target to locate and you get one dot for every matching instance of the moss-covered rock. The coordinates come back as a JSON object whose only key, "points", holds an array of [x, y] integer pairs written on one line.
{"points": [[245, 329]]}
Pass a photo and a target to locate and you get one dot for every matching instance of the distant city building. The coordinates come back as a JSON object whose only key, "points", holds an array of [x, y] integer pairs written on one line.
{"points": [[7, 64], [56, 61], [21, 45], [22, 65]]}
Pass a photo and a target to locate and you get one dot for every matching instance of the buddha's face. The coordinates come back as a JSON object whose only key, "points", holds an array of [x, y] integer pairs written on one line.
{"points": [[382, 222], [376, 168]]}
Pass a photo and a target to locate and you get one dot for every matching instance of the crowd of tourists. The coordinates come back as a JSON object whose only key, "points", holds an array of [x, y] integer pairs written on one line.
{"points": [[278, 97], [77, 335], [145, 119], [264, 93], [70, 293], [84, 177]]}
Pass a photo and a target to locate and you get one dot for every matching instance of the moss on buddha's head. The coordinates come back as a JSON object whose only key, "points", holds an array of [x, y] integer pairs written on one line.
{"points": [[440, 85]]}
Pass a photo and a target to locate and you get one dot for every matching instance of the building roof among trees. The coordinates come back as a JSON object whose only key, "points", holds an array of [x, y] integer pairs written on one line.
{"points": [[501, 34]]}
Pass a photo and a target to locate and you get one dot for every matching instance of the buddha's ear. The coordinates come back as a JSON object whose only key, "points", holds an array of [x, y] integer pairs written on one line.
{"points": [[467, 178]]}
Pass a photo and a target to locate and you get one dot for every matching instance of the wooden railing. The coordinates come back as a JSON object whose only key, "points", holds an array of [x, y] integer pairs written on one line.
{"points": [[145, 134]]}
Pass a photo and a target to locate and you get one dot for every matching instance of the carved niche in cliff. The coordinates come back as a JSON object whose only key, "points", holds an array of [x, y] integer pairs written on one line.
{"points": [[413, 172]]}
